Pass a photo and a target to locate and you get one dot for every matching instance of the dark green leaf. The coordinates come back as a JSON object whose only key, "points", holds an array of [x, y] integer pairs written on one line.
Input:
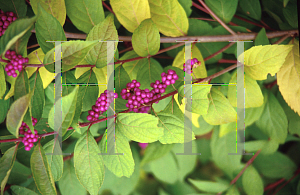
{"points": [[261, 38], [55, 160], [38, 98], [21, 85], [121, 79], [84, 14], [48, 28], [290, 14], [19, 190], [4, 106], [198, 27], [41, 171], [251, 8], [223, 9], [6, 164], [14, 31], [19, 7]]}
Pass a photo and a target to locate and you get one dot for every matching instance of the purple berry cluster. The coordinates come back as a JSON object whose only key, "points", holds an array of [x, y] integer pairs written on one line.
{"points": [[194, 62], [101, 105], [28, 138], [16, 63], [137, 97], [5, 20]]}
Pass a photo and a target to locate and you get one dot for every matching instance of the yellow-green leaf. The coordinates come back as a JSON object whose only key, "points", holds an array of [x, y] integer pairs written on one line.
{"points": [[252, 182], [131, 13], [253, 94], [56, 8], [261, 60], [146, 39], [220, 110], [288, 78], [170, 17]]}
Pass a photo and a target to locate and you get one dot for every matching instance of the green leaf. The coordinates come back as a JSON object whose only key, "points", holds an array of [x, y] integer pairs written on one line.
{"points": [[15, 31], [165, 168], [16, 114], [253, 114], [253, 94], [38, 98], [198, 27], [273, 121], [19, 172], [69, 184], [200, 102], [130, 14], [155, 151], [161, 105], [220, 110], [21, 190], [120, 165], [251, 8], [285, 2], [290, 14], [169, 17], [56, 8], [73, 52], [88, 163], [2, 81], [41, 171], [261, 38], [290, 73], [68, 105], [266, 146], [275, 165], [19, 7], [209, 186], [48, 28], [85, 14], [6, 164], [55, 161], [121, 79], [125, 185], [252, 182], [149, 73], [146, 39], [173, 129], [220, 147], [223, 9], [261, 60], [173, 108], [185, 163], [104, 31], [139, 127], [21, 85]]}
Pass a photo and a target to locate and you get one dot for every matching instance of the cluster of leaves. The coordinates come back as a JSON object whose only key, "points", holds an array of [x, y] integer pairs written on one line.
{"points": [[272, 112]]}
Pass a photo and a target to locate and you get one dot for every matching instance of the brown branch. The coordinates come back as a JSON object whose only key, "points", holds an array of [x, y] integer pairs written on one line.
{"points": [[246, 166], [204, 39], [33, 46], [127, 49], [288, 181], [107, 7], [226, 61], [68, 157], [273, 185], [220, 51], [217, 18]]}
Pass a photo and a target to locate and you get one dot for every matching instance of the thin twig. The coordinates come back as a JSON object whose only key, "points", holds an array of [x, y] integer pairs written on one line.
{"points": [[226, 61], [33, 46], [288, 181], [246, 166], [282, 39], [220, 51], [124, 50], [107, 7], [217, 18]]}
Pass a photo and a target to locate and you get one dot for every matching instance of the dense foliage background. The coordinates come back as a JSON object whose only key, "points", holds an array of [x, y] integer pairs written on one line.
{"points": [[148, 31]]}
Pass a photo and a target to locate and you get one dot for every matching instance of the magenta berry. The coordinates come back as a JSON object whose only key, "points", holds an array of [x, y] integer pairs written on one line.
{"points": [[16, 63], [28, 138], [5, 20], [101, 105]]}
